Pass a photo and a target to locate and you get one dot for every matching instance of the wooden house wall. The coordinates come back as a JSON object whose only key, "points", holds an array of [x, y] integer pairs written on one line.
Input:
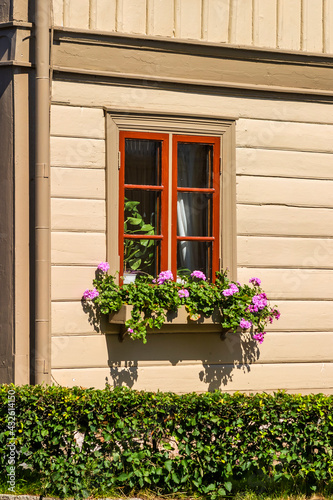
{"points": [[302, 25], [284, 164]]}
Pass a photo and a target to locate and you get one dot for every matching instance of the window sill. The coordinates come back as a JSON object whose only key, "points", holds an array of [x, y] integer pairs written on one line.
{"points": [[176, 322]]}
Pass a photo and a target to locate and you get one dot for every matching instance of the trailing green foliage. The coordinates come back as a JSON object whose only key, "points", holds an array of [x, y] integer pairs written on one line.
{"points": [[239, 306], [207, 444]]}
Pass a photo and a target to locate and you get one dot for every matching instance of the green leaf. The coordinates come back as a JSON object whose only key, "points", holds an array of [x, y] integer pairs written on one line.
{"points": [[175, 478], [130, 205], [228, 486], [168, 465], [134, 221], [123, 477], [147, 227], [136, 264]]}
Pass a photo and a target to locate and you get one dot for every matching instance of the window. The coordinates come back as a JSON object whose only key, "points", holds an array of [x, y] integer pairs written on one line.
{"points": [[143, 222], [171, 200]]}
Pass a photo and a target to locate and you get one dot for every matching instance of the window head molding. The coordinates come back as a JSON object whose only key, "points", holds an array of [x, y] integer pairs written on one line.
{"points": [[118, 121]]}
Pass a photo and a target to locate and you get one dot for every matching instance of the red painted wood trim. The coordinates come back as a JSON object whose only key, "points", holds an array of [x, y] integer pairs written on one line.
{"points": [[164, 138], [215, 142], [143, 186], [195, 238], [143, 237], [195, 190]]}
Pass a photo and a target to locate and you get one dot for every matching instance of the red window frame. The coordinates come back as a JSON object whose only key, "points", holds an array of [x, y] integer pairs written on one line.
{"points": [[163, 188], [215, 190]]}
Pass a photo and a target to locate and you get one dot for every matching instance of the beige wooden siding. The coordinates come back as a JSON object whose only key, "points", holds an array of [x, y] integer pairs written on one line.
{"points": [[305, 25], [78, 215], [328, 26], [207, 361], [92, 350], [277, 220], [161, 17], [265, 23], [297, 377], [284, 161], [115, 96], [241, 22], [77, 13], [215, 21]]}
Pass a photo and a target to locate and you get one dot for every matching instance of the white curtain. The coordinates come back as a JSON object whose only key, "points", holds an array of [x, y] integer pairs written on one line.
{"points": [[186, 220]]}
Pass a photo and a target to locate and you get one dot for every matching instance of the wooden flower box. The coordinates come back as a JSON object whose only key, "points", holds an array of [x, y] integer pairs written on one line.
{"points": [[176, 322]]}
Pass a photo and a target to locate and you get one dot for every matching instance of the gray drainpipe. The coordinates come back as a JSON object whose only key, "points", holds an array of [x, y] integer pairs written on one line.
{"points": [[42, 353]]}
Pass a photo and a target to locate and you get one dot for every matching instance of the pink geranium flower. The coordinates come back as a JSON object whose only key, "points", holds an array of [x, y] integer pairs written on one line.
{"points": [[231, 290], [104, 267], [164, 276], [259, 337], [245, 324], [199, 275], [90, 294], [255, 281]]}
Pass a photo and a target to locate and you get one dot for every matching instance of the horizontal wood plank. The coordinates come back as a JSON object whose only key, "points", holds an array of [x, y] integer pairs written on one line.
{"points": [[299, 284], [284, 135], [78, 215], [101, 351], [279, 108], [303, 315], [71, 318], [297, 377], [268, 162], [78, 183], [78, 248], [284, 252], [279, 191], [69, 282], [73, 152], [70, 121], [278, 220]]}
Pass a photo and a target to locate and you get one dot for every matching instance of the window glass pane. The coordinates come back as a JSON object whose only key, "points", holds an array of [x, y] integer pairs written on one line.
{"points": [[143, 162], [194, 214], [142, 212], [142, 256], [195, 255], [195, 165]]}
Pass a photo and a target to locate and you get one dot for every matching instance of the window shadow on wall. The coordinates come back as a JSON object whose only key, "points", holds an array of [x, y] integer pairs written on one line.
{"points": [[203, 360], [180, 362]]}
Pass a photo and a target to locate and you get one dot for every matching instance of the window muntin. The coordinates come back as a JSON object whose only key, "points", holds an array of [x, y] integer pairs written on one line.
{"points": [[145, 173]]}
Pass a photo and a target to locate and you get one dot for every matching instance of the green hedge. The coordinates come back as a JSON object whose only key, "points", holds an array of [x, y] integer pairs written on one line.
{"points": [[209, 444]]}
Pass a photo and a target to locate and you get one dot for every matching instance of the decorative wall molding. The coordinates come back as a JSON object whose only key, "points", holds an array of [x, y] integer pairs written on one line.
{"points": [[182, 62]]}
